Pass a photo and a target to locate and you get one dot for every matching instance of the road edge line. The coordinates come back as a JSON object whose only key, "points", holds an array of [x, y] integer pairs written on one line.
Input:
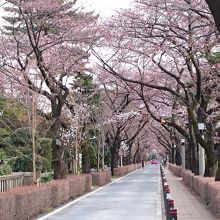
{"points": [[159, 200], [81, 197]]}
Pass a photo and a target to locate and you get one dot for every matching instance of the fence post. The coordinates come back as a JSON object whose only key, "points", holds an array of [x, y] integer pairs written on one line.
{"points": [[172, 214]]}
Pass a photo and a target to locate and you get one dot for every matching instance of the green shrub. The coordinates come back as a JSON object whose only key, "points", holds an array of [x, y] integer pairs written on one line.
{"points": [[22, 163], [5, 169], [4, 133], [21, 137], [47, 178], [44, 150], [92, 155]]}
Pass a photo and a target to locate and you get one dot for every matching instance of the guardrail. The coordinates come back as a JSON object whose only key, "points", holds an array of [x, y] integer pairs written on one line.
{"points": [[171, 213]]}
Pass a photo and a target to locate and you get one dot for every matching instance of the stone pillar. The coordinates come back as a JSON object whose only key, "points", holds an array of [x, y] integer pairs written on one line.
{"points": [[183, 155], [201, 127], [201, 161]]}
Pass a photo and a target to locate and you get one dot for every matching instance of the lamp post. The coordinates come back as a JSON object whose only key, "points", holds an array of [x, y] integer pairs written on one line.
{"points": [[201, 152], [183, 153]]}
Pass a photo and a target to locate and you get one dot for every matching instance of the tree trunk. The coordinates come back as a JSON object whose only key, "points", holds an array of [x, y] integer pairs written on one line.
{"points": [[128, 159], [209, 166], [178, 158], [194, 160], [85, 159], [54, 132], [114, 145], [188, 159], [173, 158], [59, 165], [136, 155], [214, 6], [114, 158], [210, 162], [217, 176]]}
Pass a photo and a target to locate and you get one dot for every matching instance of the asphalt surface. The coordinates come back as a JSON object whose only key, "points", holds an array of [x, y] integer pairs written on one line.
{"points": [[137, 196]]}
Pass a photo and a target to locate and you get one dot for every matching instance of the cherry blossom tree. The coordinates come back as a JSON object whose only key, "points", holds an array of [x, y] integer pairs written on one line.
{"points": [[50, 42], [214, 6], [122, 118], [150, 49]]}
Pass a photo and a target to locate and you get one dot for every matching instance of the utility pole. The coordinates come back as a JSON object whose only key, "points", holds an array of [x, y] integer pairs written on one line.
{"points": [[33, 132], [98, 153], [76, 150], [102, 133]]}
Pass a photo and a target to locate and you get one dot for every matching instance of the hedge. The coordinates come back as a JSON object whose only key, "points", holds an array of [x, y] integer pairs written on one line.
{"points": [[121, 171], [28, 201]]}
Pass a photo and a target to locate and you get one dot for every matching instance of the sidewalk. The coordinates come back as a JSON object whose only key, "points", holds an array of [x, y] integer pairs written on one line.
{"points": [[189, 206]]}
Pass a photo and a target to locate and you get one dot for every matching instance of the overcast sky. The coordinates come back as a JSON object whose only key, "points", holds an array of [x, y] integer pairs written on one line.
{"points": [[103, 7], [106, 7]]}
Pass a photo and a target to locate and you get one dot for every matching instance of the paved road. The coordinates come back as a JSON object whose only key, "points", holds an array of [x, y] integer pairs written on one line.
{"points": [[133, 197]]}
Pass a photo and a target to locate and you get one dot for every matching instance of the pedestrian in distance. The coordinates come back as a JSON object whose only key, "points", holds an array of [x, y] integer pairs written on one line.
{"points": [[142, 163]]}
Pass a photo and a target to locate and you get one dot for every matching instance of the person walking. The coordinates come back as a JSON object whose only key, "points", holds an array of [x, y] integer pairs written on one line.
{"points": [[142, 163]]}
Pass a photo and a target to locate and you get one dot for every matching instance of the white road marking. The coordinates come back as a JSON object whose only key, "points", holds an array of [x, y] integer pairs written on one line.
{"points": [[80, 198], [159, 208]]}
